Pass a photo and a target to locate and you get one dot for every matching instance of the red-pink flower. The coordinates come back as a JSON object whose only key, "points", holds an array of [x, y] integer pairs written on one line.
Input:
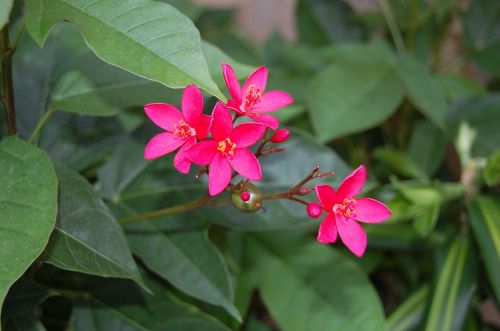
{"points": [[182, 129], [228, 150], [344, 210], [251, 100]]}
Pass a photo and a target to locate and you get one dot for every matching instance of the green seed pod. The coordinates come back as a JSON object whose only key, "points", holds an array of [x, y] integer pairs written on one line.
{"points": [[253, 203]]}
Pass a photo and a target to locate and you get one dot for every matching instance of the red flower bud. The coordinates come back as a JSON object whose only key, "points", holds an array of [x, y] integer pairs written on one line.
{"points": [[245, 196], [280, 136], [314, 210], [304, 190]]}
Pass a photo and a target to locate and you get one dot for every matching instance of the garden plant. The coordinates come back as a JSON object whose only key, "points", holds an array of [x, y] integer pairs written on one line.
{"points": [[252, 165]]}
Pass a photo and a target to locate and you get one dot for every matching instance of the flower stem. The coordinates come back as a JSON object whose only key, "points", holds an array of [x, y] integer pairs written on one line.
{"points": [[166, 211], [8, 85], [40, 124], [393, 26]]}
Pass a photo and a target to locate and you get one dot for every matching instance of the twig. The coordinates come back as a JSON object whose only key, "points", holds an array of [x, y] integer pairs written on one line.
{"points": [[8, 86]]}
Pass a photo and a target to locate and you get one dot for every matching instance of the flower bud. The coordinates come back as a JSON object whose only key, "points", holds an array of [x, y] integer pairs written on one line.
{"points": [[280, 136], [304, 190], [314, 210], [245, 196], [248, 200]]}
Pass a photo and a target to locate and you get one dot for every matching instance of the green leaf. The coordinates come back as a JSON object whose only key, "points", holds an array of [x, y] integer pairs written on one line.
{"points": [[150, 39], [312, 287], [410, 313], [124, 165], [426, 222], [215, 57], [427, 147], [458, 87], [98, 89], [87, 237], [491, 172], [484, 213], [482, 115], [28, 201], [187, 260], [399, 162], [348, 98], [454, 288], [116, 305], [5, 8], [423, 89]]}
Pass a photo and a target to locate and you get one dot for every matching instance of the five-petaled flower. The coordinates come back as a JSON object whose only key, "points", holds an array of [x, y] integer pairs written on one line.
{"points": [[182, 129], [227, 150], [251, 100], [344, 210]]}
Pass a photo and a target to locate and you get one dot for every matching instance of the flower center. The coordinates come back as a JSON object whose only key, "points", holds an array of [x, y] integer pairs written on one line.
{"points": [[226, 147], [252, 96], [346, 208], [183, 130]]}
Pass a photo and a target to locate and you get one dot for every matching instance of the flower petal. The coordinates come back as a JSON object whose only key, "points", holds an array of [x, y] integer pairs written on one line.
{"points": [[370, 211], [326, 195], [267, 120], [219, 174], [203, 152], [327, 233], [161, 144], [352, 184], [222, 123], [164, 115], [192, 104], [202, 126], [246, 164], [352, 235], [272, 101], [181, 162], [258, 78], [232, 83], [247, 134]]}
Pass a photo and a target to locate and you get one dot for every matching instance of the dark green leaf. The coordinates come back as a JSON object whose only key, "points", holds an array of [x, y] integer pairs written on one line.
{"points": [[427, 147], [312, 287], [454, 288], [187, 260], [484, 213], [349, 98], [28, 204], [87, 237], [423, 89], [459, 87], [491, 172], [150, 39], [426, 222], [399, 162], [410, 313]]}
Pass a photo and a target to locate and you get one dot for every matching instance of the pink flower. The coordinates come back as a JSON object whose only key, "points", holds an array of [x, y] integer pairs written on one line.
{"points": [[251, 101], [344, 210], [228, 150], [182, 129]]}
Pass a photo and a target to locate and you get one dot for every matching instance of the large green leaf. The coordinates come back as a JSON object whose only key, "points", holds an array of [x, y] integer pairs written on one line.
{"points": [[427, 147], [150, 39], [454, 288], [484, 215], [87, 237], [119, 306], [348, 98], [187, 260], [423, 89], [312, 287], [5, 8], [410, 313], [28, 204]]}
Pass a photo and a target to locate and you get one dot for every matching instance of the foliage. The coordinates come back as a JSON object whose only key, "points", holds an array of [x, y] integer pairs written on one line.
{"points": [[391, 84]]}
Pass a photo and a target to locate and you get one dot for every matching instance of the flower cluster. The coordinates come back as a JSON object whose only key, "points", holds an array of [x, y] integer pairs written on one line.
{"points": [[228, 147], [221, 146]]}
